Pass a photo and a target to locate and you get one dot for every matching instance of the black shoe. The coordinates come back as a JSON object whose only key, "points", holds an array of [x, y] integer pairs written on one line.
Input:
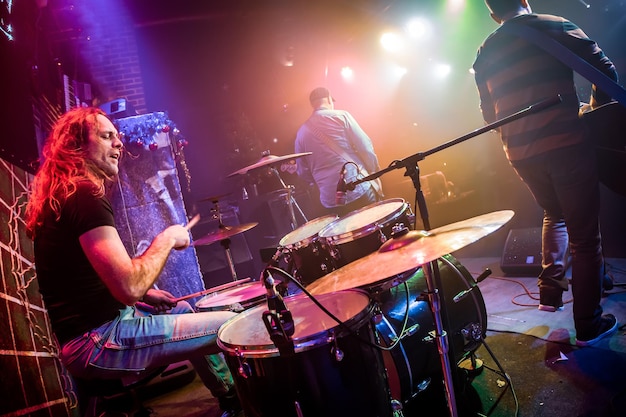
{"points": [[608, 325], [550, 299], [229, 404]]}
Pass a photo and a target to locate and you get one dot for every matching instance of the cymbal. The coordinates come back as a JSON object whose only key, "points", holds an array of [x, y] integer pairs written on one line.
{"points": [[268, 160], [223, 233], [409, 251], [215, 198]]}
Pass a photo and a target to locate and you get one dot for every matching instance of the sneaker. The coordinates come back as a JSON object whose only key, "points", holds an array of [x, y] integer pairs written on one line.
{"points": [[550, 299], [608, 325]]}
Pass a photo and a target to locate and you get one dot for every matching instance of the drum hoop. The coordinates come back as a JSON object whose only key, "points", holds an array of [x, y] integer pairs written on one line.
{"points": [[308, 239], [302, 344], [212, 307], [366, 230]]}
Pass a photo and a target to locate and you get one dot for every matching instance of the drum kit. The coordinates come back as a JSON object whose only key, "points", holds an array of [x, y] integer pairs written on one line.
{"points": [[380, 309], [363, 340]]}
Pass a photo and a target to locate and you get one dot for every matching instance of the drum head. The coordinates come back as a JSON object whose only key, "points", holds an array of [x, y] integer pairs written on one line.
{"points": [[240, 294], [365, 220], [246, 334], [303, 234]]}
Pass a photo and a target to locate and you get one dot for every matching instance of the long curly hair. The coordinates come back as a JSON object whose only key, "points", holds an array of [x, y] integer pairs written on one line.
{"points": [[64, 166]]}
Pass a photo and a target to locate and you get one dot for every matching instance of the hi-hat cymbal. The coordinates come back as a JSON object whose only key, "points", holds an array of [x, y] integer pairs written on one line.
{"points": [[223, 233], [268, 160], [215, 198], [407, 252]]}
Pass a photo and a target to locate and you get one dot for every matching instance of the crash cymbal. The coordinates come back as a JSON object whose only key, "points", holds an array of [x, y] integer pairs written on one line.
{"points": [[268, 160], [215, 198], [223, 233], [409, 251]]}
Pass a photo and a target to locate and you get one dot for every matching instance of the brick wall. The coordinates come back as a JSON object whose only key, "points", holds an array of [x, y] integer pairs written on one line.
{"points": [[108, 49]]}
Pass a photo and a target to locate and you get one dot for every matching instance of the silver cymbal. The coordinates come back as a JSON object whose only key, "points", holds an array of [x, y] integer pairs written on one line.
{"points": [[409, 251], [268, 160], [223, 233]]}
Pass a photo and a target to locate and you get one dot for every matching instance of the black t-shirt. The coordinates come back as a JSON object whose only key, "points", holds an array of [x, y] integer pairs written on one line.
{"points": [[76, 298]]}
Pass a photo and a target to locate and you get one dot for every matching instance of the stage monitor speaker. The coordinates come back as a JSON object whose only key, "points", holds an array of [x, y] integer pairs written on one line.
{"points": [[522, 252]]}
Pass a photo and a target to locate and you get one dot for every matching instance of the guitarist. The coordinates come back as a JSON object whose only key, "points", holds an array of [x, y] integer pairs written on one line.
{"points": [[551, 152]]}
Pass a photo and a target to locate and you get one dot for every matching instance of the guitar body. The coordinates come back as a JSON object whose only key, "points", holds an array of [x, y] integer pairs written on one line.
{"points": [[607, 129]]}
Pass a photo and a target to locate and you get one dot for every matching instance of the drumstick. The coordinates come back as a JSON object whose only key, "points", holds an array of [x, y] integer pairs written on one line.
{"points": [[214, 289], [193, 222]]}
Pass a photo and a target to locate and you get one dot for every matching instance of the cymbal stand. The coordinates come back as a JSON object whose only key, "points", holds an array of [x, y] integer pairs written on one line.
{"points": [[217, 215], [291, 201], [431, 270], [433, 284]]}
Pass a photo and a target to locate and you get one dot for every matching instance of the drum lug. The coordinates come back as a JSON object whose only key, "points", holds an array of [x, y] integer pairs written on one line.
{"points": [[396, 408], [336, 352], [383, 237], [243, 369], [334, 253], [431, 336]]}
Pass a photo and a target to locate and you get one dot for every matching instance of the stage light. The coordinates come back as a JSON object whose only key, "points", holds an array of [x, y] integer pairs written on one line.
{"points": [[391, 42], [347, 73], [455, 6], [419, 28], [441, 71]]}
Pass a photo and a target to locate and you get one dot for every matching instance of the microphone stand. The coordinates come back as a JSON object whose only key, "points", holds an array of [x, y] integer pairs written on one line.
{"points": [[431, 270]]}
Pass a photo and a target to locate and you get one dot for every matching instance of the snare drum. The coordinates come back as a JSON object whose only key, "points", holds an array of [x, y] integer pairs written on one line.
{"points": [[236, 299], [363, 231], [334, 370], [301, 249]]}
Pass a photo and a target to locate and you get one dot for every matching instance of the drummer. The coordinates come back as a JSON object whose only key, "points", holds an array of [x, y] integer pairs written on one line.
{"points": [[337, 143], [92, 287]]}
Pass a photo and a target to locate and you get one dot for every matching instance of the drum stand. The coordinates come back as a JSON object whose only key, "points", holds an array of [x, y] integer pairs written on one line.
{"points": [[291, 201], [431, 270], [217, 214]]}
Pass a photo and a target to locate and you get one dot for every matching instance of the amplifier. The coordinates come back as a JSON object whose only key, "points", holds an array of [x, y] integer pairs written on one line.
{"points": [[522, 252]]}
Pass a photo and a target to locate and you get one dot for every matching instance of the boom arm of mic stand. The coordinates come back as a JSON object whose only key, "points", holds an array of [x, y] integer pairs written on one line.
{"points": [[415, 158]]}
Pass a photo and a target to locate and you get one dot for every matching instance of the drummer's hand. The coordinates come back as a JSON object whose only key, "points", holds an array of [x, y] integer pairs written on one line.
{"points": [[159, 300], [180, 235]]}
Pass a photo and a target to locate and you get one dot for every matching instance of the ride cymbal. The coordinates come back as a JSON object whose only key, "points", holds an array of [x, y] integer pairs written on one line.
{"points": [[222, 233], [268, 160], [409, 251]]}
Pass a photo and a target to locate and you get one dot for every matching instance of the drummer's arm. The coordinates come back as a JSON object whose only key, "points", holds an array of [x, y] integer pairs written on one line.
{"points": [[129, 279]]}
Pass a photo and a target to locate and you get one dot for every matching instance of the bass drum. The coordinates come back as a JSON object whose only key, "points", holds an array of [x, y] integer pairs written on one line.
{"points": [[334, 370], [415, 360]]}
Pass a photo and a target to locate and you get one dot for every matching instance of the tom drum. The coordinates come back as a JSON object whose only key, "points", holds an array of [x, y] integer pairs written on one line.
{"points": [[335, 370]]}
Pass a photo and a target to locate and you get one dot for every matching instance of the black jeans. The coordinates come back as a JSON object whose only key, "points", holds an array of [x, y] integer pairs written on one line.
{"points": [[565, 184]]}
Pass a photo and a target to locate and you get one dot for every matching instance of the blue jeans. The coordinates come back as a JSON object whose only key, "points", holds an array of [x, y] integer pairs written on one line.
{"points": [[138, 340], [565, 184]]}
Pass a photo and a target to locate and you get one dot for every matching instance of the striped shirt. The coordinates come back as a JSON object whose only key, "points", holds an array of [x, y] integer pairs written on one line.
{"points": [[512, 74]]}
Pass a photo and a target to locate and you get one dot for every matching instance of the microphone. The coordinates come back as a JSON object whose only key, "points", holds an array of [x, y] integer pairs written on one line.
{"points": [[278, 319], [464, 293], [340, 195]]}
